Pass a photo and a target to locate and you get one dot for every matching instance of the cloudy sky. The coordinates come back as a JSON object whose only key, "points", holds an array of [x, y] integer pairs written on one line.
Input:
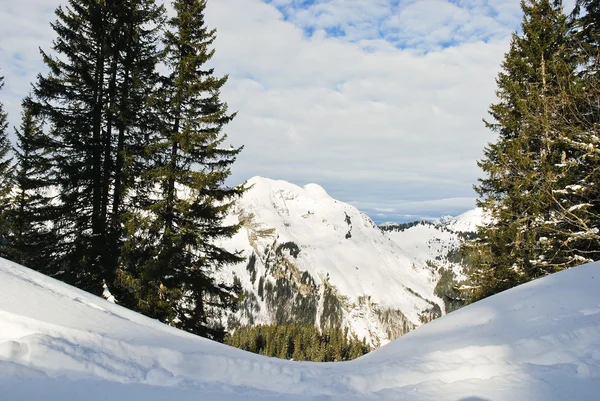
{"points": [[378, 101]]}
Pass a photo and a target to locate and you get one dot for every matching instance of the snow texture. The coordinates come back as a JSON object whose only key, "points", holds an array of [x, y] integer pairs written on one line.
{"points": [[338, 246], [430, 244], [537, 342]]}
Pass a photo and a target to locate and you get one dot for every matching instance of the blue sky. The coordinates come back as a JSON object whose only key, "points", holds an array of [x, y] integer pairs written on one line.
{"points": [[378, 101]]}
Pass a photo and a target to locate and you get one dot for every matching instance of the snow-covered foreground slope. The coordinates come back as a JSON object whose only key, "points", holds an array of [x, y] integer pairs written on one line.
{"points": [[538, 342]]}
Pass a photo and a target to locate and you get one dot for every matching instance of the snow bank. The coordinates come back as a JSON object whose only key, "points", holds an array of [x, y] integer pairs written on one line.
{"points": [[538, 342]]}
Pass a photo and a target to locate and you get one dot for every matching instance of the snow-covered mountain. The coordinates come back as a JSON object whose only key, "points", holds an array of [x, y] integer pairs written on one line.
{"points": [[435, 245], [537, 342], [435, 242], [315, 260]]}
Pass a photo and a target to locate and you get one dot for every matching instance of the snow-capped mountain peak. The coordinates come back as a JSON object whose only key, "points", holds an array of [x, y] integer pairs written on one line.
{"points": [[321, 261]]}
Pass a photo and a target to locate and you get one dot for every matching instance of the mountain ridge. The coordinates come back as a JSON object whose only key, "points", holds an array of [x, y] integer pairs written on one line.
{"points": [[316, 260]]}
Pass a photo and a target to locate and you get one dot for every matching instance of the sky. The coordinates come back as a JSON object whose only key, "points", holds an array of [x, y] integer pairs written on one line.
{"points": [[378, 101]]}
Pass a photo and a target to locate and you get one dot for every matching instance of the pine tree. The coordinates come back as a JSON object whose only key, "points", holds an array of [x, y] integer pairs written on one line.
{"points": [[171, 256], [5, 177], [72, 99], [520, 166], [94, 100], [132, 79], [575, 222], [31, 239]]}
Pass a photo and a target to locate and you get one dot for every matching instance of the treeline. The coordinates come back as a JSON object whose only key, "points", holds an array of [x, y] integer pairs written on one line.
{"points": [[117, 179], [299, 342], [541, 174]]}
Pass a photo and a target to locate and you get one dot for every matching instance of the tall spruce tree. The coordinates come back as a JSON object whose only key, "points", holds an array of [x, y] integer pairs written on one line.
{"points": [[171, 256], [71, 99], [521, 166], [5, 177], [575, 223], [94, 97], [32, 240], [132, 80]]}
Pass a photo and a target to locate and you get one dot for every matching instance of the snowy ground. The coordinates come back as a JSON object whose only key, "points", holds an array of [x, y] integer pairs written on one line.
{"points": [[538, 342]]}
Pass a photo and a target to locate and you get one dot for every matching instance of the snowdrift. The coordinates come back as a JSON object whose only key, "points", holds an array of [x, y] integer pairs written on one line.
{"points": [[538, 342]]}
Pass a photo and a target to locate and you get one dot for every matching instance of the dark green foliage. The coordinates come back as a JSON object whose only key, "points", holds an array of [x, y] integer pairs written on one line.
{"points": [[171, 254], [447, 289], [299, 342], [248, 306], [280, 299], [94, 100], [121, 172], [5, 178], [71, 99], [287, 303], [292, 247], [304, 310], [587, 34], [261, 287], [540, 153], [401, 226], [332, 308], [251, 267], [32, 239]]}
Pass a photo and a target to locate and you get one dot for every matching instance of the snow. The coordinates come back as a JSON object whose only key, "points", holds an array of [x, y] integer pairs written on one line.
{"points": [[429, 244], [468, 221], [537, 342], [338, 245]]}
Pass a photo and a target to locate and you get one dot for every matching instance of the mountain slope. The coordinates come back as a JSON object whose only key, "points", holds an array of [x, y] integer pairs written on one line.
{"points": [[315, 260], [435, 245], [537, 342]]}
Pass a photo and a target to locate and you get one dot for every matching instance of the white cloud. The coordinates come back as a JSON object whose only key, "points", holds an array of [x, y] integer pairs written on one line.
{"points": [[385, 114]]}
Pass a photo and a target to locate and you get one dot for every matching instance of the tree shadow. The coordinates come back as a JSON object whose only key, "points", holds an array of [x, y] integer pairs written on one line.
{"points": [[474, 399]]}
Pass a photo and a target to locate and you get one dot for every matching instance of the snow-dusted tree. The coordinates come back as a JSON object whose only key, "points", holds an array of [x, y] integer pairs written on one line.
{"points": [[575, 226], [523, 167]]}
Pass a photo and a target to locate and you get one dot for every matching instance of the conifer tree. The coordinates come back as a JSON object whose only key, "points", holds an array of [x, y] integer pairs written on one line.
{"points": [[31, 238], [521, 165], [575, 222], [587, 33], [171, 256], [71, 98], [132, 79], [5, 177], [94, 100]]}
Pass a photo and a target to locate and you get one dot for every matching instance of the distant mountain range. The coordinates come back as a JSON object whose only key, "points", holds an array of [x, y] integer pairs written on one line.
{"points": [[315, 260]]}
